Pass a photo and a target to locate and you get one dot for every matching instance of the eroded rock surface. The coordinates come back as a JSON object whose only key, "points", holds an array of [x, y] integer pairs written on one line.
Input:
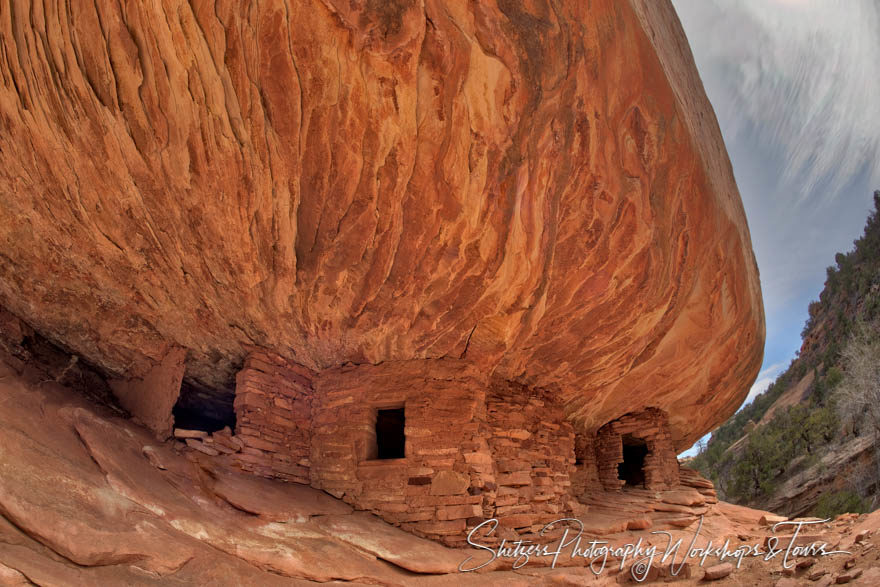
{"points": [[540, 190]]}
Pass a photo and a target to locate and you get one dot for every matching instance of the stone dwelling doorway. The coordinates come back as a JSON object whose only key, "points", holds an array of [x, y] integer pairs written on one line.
{"points": [[390, 433], [636, 450], [631, 470]]}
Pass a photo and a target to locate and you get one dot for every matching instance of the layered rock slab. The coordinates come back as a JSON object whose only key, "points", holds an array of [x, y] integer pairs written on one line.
{"points": [[540, 190]]}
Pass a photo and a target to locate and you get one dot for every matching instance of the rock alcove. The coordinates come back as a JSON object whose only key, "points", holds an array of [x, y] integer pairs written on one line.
{"points": [[516, 222]]}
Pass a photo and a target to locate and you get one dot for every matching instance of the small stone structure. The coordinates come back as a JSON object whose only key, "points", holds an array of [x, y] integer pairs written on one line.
{"points": [[645, 435], [464, 446], [474, 448]]}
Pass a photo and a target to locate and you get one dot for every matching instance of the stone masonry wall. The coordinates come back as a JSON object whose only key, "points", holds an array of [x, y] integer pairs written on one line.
{"points": [[586, 473], [446, 472], [273, 417], [474, 448], [532, 445], [661, 465]]}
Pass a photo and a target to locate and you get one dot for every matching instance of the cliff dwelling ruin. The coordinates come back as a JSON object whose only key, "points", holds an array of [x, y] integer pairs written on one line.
{"points": [[444, 262], [431, 446]]}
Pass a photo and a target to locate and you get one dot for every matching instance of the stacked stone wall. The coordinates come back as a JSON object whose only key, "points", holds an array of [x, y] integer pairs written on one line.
{"points": [[660, 465], [532, 445], [273, 417], [446, 473], [586, 473], [475, 448]]}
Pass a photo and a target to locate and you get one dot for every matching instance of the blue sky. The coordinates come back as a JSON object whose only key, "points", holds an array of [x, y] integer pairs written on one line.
{"points": [[795, 85]]}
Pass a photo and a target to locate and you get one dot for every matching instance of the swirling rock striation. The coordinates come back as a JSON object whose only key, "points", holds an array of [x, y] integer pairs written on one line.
{"points": [[540, 189]]}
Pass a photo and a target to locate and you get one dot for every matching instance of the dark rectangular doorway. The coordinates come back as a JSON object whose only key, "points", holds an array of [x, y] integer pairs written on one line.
{"points": [[390, 433], [632, 469]]}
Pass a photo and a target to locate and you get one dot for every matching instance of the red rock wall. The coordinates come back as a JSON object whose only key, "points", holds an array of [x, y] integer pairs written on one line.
{"points": [[374, 182], [532, 445], [661, 465], [273, 417]]}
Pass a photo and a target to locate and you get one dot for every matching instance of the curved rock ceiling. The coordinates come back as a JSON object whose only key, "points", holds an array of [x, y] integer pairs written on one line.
{"points": [[539, 187]]}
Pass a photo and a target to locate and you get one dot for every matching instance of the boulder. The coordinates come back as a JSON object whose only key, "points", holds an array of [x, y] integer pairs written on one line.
{"points": [[716, 572], [771, 519]]}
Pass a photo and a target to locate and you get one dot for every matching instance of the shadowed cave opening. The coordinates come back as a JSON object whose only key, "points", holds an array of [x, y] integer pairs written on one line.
{"points": [[61, 365], [390, 436], [632, 469], [202, 408]]}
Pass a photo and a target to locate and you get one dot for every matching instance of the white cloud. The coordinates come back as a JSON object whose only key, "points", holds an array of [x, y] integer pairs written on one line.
{"points": [[802, 76], [765, 378]]}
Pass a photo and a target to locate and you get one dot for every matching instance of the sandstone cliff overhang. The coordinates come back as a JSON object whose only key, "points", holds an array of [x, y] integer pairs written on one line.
{"points": [[539, 190]]}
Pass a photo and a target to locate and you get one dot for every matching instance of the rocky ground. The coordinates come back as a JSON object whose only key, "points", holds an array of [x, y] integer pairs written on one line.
{"points": [[88, 497]]}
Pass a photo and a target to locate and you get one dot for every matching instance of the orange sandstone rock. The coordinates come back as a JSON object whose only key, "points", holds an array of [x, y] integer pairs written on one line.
{"points": [[541, 191], [151, 398]]}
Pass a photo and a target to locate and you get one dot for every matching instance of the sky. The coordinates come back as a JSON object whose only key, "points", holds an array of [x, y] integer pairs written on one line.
{"points": [[795, 85]]}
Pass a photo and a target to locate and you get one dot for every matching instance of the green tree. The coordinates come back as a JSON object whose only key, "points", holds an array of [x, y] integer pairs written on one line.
{"points": [[833, 504], [761, 462]]}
